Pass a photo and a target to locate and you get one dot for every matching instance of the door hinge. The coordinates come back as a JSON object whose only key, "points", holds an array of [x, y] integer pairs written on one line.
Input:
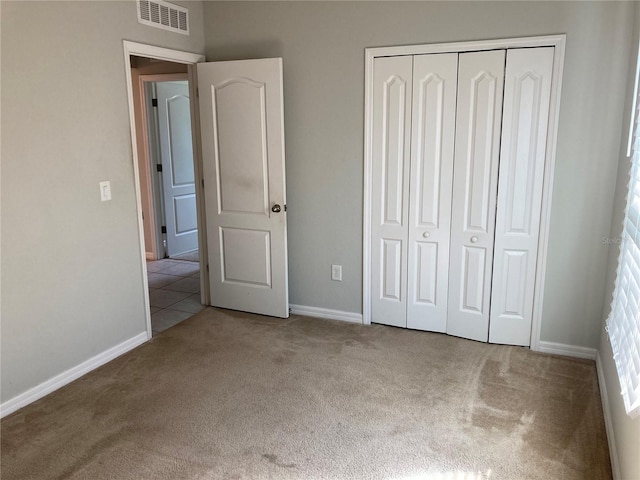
{"points": [[285, 207], [158, 167], [202, 180], [163, 229], [197, 92], [154, 102], [207, 267]]}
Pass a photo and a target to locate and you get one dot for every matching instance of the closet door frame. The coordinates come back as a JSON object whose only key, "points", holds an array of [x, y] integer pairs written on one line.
{"points": [[556, 41]]}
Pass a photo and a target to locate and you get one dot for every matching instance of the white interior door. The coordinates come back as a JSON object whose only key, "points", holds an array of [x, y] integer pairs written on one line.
{"points": [[435, 80], [176, 154], [242, 126], [527, 93], [390, 188], [477, 144]]}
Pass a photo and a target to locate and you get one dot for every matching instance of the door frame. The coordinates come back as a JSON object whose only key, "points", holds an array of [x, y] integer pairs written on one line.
{"points": [[190, 59], [557, 41]]}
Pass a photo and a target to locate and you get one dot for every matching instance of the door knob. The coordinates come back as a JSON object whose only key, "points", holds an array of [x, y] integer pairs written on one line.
{"points": [[474, 239], [426, 234], [276, 208]]}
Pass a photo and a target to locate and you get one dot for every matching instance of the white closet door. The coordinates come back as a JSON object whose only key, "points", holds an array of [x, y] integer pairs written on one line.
{"points": [[390, 192], [432, 141], [524, 137], [480, 88]]}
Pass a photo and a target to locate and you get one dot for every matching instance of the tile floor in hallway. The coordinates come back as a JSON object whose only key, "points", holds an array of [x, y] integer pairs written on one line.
{"points": [[174, 292]]}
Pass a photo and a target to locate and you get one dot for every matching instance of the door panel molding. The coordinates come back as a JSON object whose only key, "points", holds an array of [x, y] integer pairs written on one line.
{"points": [[393, 148], [556, 41], [241, 157]]}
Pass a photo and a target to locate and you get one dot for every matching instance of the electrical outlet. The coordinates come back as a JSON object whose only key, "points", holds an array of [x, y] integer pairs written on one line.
{"points": [[336, 272]]}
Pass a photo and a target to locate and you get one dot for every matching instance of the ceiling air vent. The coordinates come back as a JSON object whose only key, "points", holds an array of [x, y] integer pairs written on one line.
{"points": [[165, 15]]}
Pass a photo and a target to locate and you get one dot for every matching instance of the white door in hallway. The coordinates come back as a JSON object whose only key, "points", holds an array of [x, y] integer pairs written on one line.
{"points": [[176, 154], [242, 129]]}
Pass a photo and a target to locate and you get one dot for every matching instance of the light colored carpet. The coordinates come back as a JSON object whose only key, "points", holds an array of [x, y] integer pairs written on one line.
{"points": [[231, 395]]}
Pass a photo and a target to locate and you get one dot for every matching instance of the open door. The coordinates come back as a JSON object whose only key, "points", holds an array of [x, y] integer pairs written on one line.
{"points": [[242, 130], [178, 177]]}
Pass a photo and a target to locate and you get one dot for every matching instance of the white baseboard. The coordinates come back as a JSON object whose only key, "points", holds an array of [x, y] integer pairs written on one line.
{"points": [[608, 421], [326, 313], [70, 375], [567, 350]]}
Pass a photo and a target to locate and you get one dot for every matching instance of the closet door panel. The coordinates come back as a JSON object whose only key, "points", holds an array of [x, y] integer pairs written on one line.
{"points": [[432, 146], [390, 188], [524, 137], [475, 183]]}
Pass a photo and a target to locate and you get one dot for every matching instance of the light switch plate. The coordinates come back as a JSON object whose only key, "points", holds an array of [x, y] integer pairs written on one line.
{"points": [[105, 191], [336, 272]]}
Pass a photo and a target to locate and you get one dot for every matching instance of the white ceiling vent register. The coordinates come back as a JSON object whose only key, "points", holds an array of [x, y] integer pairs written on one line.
{"points": [[165, 15]]}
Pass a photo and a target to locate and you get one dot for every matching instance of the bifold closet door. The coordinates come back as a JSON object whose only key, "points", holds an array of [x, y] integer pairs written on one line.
{"points": [[432, 141], [527, 93], [475, 184], [457, 185], [390, 193]]}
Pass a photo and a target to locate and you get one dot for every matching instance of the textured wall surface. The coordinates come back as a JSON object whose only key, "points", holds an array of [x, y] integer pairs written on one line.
{"points": [[72, 284], [323, 44]]}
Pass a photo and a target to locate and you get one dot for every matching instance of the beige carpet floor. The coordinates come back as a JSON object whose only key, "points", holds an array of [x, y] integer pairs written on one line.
{"points": [[231, 395]]}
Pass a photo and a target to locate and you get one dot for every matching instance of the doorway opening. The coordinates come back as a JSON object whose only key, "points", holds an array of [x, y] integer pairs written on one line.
{"points": [[166, 164], [166, 172]]}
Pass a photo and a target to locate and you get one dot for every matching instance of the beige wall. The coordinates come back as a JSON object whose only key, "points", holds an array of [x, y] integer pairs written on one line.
{"points": [[626, 431], [323, 44], [71, 274]]}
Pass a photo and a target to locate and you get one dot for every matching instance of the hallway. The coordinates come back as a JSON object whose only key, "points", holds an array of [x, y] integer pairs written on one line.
{"points": [[174, 292]]}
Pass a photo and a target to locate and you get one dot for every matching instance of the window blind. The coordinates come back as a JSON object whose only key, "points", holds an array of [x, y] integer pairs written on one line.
{"points": [[623, 324]]}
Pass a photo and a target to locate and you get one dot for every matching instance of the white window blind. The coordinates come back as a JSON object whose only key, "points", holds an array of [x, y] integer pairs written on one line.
{"points": [[623, 324]]}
